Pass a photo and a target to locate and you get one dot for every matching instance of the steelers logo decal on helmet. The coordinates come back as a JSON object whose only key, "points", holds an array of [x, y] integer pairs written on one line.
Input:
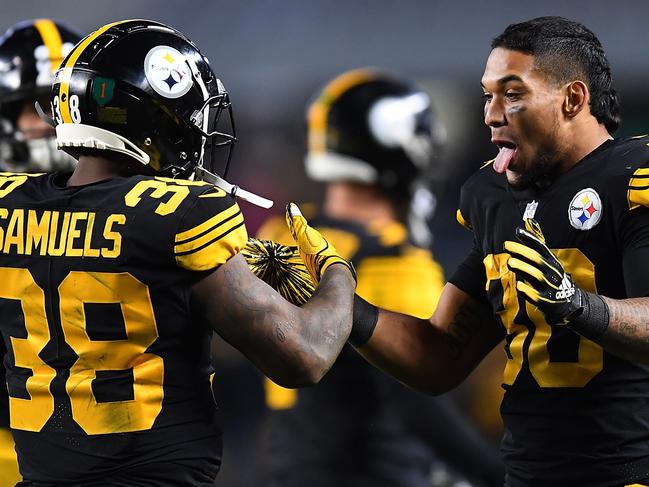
{"points": [[585, 210], [167, 72]]}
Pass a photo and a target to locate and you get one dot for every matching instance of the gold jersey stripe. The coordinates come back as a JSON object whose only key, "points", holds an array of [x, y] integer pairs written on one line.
{"points": [[640, 172], [319, 111], [213, 222], [208, 238], [66, 75], [216, 253], [638, 189], [213, 194], [28, 174], [52, 41], [461, 220]]}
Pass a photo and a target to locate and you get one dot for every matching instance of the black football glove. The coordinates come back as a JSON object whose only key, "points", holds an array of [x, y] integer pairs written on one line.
{"points": [[541, 278]]}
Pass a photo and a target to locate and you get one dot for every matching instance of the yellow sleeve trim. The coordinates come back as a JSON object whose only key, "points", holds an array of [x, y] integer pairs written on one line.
{"points": [[216, 252], [208, 224], [212, 242], [638, 190], [217, 232], [461, 220]]}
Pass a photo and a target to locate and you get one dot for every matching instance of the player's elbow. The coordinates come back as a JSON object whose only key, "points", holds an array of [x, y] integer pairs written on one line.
{"points": [[303, 371]]}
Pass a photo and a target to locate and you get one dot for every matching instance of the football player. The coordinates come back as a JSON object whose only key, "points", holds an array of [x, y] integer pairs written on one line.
{"points": [[560, 220], [114, 276], [375, 142], [30, 53]]}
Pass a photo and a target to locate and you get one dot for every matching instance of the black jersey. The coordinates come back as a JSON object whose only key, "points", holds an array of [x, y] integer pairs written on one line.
{"points": [[574, 414], [107, 371]]}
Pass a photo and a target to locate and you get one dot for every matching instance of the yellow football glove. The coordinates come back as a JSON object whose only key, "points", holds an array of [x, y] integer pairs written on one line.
{"points": [[281, 268], [316, 253]]}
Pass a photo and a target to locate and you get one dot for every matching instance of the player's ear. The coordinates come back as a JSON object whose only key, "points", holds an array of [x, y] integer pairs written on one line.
{"points": [[576, 98]]}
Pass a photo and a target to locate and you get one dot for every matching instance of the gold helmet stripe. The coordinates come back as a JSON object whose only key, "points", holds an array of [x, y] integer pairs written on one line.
{"points": [[52, 40], [319, 110], [66, 71]]}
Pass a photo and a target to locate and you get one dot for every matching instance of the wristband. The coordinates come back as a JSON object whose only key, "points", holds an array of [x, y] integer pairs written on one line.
{"points": [[364, 321], [592, 322]]}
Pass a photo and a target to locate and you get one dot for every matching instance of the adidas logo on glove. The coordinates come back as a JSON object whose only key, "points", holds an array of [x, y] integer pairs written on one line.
{"points": [[566, 289]]}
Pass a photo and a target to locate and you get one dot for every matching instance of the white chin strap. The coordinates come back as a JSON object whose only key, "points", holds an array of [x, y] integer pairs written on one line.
{"points": [[232, 189], [74, 135]]}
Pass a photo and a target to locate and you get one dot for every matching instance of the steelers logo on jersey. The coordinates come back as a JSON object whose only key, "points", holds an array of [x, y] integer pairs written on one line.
{"points": [[585, 209], [167, 72]]}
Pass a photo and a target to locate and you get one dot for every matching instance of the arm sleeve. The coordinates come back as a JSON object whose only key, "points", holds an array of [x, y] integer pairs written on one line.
{"points": [[211, 231], [470, 275]]}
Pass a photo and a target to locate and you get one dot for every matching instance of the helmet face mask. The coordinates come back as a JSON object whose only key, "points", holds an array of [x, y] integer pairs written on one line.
{"points": [[30, 53], [219, 132], [144, 90]]}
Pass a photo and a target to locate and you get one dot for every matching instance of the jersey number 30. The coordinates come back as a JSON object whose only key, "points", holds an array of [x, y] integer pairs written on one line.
{"points": [[546, 372], [77, 289]]}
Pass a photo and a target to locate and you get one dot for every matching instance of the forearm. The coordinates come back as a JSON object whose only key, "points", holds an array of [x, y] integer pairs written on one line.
{"points": [[627, 334], [326, 320], [291, 345], [405, 347], [306, 341], [434, 355]]}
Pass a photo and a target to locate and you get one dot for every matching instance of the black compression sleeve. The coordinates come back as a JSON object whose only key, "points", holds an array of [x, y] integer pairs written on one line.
{"points": [[365, 318]]}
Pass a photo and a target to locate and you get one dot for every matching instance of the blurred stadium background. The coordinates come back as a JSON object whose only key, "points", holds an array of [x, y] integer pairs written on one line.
{"points": [[272, 55]]}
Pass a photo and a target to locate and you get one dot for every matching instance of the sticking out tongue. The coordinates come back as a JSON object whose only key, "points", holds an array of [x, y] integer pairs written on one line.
{"points": [[504, 157]]}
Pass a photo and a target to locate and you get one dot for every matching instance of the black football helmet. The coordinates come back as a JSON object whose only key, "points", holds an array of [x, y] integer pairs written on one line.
{"points": [[30, 53], [370, 127], [142, 89]]}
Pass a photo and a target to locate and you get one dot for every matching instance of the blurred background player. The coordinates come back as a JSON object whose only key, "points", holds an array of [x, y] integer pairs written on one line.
{"points": [[30, 53], [374, 141]]}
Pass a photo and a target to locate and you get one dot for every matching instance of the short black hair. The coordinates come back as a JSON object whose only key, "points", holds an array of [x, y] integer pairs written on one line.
{"points": [[567, 50]]}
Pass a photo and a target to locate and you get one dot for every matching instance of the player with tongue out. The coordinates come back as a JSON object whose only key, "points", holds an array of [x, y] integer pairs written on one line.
{"points": [[557, 269], [504, 157]]}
